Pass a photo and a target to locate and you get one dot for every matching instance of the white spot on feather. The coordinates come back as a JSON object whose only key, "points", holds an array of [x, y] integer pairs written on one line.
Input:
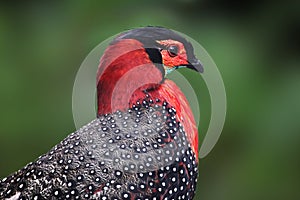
{"points": [[15, 197]]}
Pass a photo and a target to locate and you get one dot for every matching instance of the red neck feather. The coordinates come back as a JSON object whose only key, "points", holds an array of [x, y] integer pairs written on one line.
{"points": [[124, 68]]}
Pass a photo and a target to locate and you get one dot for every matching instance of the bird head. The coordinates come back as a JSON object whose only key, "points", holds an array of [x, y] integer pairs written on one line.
{"points": [[164, 47], [140, 58]]}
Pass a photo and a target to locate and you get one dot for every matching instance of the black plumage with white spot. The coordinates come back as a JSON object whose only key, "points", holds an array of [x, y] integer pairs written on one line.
{"points": [[142, 153]]}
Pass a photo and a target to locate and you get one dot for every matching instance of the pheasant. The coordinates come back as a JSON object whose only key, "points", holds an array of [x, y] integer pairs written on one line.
{"points": [[143, 143]]}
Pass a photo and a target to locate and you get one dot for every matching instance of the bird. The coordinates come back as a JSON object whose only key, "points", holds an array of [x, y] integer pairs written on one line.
{"points": [[143, 142]]}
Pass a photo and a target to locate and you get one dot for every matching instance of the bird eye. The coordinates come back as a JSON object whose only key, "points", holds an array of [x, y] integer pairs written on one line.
{"points": [[173, 50]]}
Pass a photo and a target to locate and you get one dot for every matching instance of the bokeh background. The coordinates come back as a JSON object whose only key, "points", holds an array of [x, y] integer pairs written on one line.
{"points": [[255, 44]]}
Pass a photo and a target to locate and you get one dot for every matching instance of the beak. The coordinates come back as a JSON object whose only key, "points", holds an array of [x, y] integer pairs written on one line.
{"points": [[196, 65]]}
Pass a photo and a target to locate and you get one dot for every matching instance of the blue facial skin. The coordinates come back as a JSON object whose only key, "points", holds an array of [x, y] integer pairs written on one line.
{"points": [[169, 70]]}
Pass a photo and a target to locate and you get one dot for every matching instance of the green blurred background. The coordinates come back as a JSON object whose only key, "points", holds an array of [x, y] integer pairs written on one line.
{"points": [[255, 44]]}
